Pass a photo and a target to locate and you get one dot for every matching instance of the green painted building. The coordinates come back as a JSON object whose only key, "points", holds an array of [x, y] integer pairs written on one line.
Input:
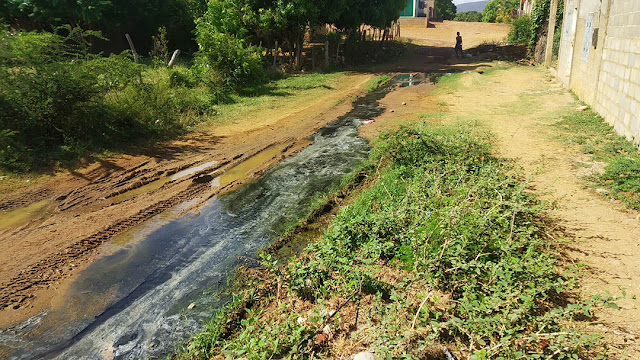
{"points": [[419, 8]]}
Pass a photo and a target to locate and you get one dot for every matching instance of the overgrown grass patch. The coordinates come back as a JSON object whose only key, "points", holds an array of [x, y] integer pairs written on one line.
{"points": [[445, 248], [377, 83], [621, 175]]}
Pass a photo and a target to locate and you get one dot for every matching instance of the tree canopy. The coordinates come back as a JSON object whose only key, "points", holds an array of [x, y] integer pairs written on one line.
{"points": [[469, 16], [501, 11], [445, 9]]}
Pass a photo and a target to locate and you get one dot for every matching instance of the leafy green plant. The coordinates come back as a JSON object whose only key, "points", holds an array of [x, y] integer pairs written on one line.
{"points": [[469, 16], [520, 33]]}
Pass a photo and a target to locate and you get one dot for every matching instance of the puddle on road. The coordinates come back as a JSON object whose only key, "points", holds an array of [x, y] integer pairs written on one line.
{"points": [[143, 286], [23, 215], [193, 170], [405, 80], [154, 185], [244, 169]]}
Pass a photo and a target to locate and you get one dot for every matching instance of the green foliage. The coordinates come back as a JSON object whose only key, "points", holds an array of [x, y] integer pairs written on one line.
{"points": [[377, 83], [540, 20], [451, 220], [501, 11], [57, 102], [160, 50], [468, 16], [520, 33], [445, 9], [139, 18], [621, 175], [224, 60]]}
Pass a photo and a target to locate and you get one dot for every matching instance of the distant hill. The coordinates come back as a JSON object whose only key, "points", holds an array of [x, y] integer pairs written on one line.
{"points": [[472, 6]]}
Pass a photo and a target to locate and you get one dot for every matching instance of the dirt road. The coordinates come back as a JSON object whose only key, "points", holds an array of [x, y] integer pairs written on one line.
{"points": [[74, 213], [52, 229], [520, 106]]}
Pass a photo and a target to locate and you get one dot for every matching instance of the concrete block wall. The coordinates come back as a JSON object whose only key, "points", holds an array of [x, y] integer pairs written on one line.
{"points": [[608, 78], [618, 91]]}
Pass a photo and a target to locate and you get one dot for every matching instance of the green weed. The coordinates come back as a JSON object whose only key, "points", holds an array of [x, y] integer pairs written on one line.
{"points": [[595, 137], [426, 116], [377, 83]]}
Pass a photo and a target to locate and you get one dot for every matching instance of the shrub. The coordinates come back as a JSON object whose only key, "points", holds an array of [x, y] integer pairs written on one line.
{"points": [[224, 59], [520, 33], [57, 102], [469, 16]]}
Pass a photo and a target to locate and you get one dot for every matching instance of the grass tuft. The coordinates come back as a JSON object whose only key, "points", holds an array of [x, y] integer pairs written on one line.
{"points": [[621, 174]]}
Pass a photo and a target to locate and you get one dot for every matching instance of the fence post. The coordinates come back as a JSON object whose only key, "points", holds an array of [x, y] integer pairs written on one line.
{"points": [[275, 54], [326, 53], [550, 33], [133, 49], [174, 57]]}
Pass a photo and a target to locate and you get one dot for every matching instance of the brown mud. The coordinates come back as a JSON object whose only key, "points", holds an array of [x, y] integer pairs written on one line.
{"points": [[53, 228]]}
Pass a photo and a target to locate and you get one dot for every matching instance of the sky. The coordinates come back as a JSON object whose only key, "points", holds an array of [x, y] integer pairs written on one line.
{"points": [[463, 1]]}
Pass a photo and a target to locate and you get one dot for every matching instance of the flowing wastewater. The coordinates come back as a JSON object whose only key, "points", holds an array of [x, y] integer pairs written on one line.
{"points": [[134, 301]]}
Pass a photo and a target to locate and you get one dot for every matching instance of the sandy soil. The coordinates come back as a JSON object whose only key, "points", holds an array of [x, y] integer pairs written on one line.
{"points": [[72, 214], [520, 106]]}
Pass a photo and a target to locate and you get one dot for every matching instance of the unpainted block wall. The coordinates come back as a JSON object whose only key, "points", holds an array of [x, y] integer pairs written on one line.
{"points": [[618, 93], [608, 76]]}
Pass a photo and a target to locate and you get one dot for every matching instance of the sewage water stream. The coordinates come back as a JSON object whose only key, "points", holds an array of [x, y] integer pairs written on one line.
{"points": [[132, 303]]}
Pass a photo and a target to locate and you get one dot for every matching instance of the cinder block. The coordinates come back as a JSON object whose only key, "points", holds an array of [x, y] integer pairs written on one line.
{"points": [[635, 126]]}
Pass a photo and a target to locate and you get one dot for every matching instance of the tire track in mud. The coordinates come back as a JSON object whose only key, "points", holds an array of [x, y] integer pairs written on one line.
{"points": [[15, 292], [25, 199], [55, 267]]}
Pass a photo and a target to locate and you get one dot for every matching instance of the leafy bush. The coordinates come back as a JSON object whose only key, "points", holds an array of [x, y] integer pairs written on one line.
{"points": [[500, 11], [57, 102], [520, 33], [469, 16]]}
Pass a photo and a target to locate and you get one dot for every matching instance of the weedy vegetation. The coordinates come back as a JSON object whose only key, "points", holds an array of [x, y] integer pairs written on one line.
{"points": [[443, 246], [621, 173], [377, 83]]}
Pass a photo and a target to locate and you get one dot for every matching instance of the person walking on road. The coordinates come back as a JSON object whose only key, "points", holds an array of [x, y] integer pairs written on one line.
{"points": [[458, 45]]}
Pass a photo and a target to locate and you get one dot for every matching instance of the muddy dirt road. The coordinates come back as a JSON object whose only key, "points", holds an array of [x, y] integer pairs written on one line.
{"points": [[51, 230]]}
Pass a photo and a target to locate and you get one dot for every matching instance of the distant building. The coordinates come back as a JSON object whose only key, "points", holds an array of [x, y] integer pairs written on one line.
{"points": [[420, 8]]}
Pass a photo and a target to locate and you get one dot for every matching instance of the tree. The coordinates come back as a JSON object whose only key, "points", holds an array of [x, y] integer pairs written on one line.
{"points": [[502, 11], [445, 9], [469, 16]]}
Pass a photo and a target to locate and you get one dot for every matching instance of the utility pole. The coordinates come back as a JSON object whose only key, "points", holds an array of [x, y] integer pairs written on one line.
{"points": [[551, 32]]}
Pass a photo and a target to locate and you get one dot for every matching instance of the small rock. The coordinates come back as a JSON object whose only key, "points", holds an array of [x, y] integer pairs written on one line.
{"points": [[321, 338], [327, 330], [469, 55], [393, 111], [602, 191], [191, 306], [365, 355], [404, 103], [582, 108]]}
